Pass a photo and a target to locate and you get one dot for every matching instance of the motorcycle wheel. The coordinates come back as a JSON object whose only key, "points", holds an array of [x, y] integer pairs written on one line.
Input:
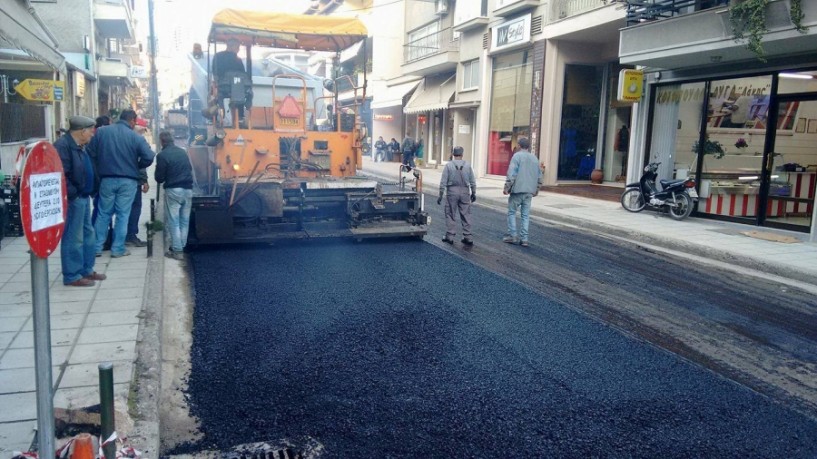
{"points": [[632, 200], [681, 208]]}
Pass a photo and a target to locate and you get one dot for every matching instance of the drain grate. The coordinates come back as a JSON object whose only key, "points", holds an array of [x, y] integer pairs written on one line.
{"points": [[285, 453], [304, 448]]}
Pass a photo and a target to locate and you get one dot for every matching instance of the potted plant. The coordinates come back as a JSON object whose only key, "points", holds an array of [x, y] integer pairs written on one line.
{"points": [[748, 21], [711, 147]]}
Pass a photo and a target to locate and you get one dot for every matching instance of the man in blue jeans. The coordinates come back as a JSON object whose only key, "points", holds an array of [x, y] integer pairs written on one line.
{"points": [[522, 183], [119, 153], [173, 168], [78, 244]]}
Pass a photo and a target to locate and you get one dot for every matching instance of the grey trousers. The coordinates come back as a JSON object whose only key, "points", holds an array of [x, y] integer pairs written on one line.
{"points": [[458, 201]]}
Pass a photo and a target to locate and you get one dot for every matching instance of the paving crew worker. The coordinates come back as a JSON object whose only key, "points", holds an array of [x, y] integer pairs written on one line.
{"points": [[78, 247], [459, 186], [120, 153], [522, 184], [174, 170], [225, 62]]}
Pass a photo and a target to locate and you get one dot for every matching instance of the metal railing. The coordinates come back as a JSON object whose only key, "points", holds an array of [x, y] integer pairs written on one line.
{"points": [[651, 10], [561, 9], [431, 44]]}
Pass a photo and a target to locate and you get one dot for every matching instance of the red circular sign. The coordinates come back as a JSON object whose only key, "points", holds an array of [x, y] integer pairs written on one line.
{"points": [[43, 199]]}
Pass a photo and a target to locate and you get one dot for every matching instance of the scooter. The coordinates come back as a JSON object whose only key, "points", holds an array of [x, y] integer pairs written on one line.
{"points": [[677, 196]]}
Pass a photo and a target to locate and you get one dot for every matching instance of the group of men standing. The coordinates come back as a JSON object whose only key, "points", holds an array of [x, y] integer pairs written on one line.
{"points": [[459, 189], [108, 164]]}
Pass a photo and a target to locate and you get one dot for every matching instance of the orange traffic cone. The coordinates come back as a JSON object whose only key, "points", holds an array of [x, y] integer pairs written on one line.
{"points": [[83, 447]]}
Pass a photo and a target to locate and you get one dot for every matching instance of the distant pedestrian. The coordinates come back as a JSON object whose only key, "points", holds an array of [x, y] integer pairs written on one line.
{"points": [[522, 183], [394, 148], [380, 149], [120, 153], [408, 148], [78, 246], [173, 168], [103, 120], [459, 186]]}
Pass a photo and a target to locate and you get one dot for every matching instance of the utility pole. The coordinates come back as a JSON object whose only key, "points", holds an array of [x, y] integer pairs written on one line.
{"points": [[154, 89]]}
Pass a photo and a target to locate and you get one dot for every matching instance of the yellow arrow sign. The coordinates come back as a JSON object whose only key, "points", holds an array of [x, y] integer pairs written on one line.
{"points": [[41, 90]]}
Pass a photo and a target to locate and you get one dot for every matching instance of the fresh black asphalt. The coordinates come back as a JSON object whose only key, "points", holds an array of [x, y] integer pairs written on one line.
{"points": [[399, 349]]}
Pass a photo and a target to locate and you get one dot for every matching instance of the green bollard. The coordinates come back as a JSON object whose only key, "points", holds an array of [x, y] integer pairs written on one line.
{"points": [[106, 407]]}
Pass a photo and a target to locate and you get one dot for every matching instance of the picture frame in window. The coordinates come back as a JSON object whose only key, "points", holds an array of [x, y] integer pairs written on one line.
{"points": [[812, 126], [801, 126]]}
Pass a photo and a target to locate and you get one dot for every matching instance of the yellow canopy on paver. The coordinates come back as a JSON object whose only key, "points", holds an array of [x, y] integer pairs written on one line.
{"points": [[293, 31]]}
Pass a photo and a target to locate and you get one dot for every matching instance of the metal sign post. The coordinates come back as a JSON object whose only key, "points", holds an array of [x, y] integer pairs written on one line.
{"points": [[43, 206]]}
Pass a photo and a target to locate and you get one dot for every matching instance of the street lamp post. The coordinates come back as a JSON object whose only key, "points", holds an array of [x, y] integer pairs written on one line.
{"points": [[154, 89]]}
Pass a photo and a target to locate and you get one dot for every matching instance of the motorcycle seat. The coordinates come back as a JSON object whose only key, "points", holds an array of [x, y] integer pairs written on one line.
{"points": [[667, 183]]}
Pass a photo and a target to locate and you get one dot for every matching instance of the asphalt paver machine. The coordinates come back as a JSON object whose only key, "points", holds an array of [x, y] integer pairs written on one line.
{"points": [[288, 168]]}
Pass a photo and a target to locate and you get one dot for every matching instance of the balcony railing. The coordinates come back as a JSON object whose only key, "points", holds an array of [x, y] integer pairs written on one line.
{"points": [[651, 10], [430, 45], [561, 9]]}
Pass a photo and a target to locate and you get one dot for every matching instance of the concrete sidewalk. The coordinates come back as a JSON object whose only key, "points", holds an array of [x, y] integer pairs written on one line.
{"points": [[698, 237], [89, 325]]}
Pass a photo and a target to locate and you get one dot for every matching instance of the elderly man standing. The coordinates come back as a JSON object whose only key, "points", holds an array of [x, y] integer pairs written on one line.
{"points": [[174, 170], [522, 183], [120, 153], [459, 186], [79, 240]]}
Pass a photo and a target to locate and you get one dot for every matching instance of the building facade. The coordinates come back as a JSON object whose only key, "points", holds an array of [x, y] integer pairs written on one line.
{"points": [[742, 124]]}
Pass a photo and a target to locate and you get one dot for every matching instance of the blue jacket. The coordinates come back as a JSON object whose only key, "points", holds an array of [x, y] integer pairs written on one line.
{"points": [[119, 151], [73, 163]]}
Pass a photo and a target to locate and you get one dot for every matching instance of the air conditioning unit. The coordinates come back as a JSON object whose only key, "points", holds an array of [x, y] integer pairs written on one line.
{"points": [[441, 7]]}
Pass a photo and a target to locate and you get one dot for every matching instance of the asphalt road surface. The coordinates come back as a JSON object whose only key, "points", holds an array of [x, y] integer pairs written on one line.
{"points": [[418, 349]]}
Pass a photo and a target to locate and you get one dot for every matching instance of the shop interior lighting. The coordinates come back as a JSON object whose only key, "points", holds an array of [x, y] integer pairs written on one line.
{"points": [[797, 76], [754, 177]]}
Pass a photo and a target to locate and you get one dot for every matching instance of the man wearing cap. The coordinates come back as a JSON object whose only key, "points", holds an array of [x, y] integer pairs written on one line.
{"points": [[120, 153], [78, 240], [522, 183], [459, 186]]}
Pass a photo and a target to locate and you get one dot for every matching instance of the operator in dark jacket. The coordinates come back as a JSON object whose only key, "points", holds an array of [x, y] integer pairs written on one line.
{"points": [[119, 153], [173, 168], [78, 239]]}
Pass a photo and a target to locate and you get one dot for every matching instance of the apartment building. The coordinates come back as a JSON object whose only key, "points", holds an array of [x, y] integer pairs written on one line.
{"points": [[80, 55], [489, 71]]}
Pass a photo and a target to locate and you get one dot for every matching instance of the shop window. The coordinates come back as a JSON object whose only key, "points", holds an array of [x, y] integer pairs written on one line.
{"points": [[470, 75], [510, 108], [581, 104], [797, 82]]}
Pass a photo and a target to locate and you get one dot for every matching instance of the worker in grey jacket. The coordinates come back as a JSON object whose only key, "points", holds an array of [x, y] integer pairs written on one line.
{"points": [[459, 187], [522, 183]]}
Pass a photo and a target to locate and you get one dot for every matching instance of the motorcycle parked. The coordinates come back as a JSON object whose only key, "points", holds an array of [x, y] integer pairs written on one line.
{"points": [[677, 196]]}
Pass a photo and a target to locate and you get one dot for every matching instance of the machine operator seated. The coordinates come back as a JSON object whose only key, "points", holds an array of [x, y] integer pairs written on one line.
{"points": [[232, 81]]}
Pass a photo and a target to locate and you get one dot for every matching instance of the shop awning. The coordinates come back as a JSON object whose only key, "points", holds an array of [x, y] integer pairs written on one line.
{"points": [[23, 31], [464, 104], [393, 95], [435, 94]]}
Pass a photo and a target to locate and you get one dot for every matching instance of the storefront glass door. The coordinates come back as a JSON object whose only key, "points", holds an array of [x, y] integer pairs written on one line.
{"points": [[792, 166]]}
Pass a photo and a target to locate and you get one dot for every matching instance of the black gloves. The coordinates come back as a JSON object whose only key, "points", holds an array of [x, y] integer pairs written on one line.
{"points": [[473, 197], [440, 199]]}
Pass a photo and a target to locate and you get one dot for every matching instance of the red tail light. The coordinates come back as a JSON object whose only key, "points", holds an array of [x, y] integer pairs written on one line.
{"points": [[690, 184]]}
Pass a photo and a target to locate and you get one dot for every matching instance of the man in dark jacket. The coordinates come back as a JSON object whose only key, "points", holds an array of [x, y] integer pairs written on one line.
{"points": [[174, 170], [408, 152], [78, 240], [120, 153], [394, 148]]}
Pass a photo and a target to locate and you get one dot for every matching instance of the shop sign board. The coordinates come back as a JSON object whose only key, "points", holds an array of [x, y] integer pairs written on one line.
{"points": [[630, 85], [43, 199], [41, 90], [79, 84], [139, 71], [511, 33], [383, 117]]}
